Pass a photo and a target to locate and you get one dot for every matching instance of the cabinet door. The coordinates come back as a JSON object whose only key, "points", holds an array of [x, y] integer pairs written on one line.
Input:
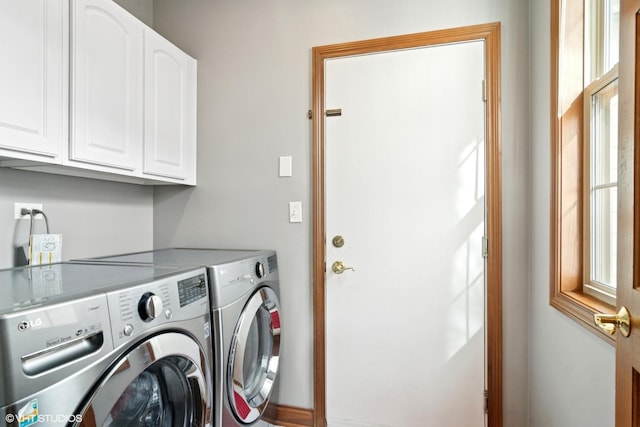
{"points": [[106, 82], [33, 78], [170, 110]]}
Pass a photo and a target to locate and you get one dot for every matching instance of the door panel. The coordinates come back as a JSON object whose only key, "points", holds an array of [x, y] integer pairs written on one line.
{"points": [[170, 94], [161, 381], [33, 78], [106, 101], [405, 189], [628, 295], [254, 356]]}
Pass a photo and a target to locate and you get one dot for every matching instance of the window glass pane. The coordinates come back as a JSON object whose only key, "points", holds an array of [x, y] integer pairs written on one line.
{"points": [[602, 24], [612, 34], [604, 144], [603, 187], [604, 236]]}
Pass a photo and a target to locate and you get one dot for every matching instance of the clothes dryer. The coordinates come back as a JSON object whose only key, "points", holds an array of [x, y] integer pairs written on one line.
{"points": [[105, 345], [244, 290]]}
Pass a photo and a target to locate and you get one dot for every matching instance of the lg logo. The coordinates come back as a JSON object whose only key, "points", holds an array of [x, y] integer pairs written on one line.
{"points": [[26, 324]]}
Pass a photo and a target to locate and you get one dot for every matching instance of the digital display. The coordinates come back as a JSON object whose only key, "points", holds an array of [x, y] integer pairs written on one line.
{"points": [[273, 263], [192, 289]]}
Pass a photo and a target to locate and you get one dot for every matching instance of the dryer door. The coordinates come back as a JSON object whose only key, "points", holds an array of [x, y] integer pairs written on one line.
{"points": [[254, 355], [158, 383]]}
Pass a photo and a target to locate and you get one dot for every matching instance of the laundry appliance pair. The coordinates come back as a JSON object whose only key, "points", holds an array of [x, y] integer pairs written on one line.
{"points": [[245, 309], [89, 344]]}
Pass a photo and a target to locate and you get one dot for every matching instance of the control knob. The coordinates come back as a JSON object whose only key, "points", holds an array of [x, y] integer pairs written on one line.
{"points": [[150, 306], [260, 270]]}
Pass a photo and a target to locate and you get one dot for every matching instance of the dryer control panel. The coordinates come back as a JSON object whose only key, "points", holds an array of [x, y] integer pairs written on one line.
{"points": [[138, 309], [235, 279]]}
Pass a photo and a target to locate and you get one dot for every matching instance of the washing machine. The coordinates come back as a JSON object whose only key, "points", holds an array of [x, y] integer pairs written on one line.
{"points": [[105, 345], [244, 292]]}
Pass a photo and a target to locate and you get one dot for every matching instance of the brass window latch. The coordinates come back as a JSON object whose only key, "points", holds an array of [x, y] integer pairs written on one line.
{"points": [[610, 322]]}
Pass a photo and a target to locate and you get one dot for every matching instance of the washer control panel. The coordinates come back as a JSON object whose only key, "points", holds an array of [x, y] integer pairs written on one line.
{"points": [[137, 309], [192, 289]]}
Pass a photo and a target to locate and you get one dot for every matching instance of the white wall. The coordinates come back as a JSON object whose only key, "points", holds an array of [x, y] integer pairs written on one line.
{"points": [[254, 80], [571, 373]]}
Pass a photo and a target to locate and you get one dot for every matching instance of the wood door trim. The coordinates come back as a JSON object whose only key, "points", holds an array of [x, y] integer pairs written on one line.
{"points": [[490, 33]]}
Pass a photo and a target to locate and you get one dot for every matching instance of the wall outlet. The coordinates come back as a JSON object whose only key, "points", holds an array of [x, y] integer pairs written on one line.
{"points": [[17, 210]]}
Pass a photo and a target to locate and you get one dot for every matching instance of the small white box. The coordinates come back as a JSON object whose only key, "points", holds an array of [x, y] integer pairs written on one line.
{"points": [[285, 165], [295, 211], [45, 249]]}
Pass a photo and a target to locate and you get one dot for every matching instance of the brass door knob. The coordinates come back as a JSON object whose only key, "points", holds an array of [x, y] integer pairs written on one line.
{"points": [[610, 322], [338, 267]]}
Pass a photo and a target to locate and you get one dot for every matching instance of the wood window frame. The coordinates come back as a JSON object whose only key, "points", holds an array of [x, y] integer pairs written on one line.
{"points": [[567, 162]]}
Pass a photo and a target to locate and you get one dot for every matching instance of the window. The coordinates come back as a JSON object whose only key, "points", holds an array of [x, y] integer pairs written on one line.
{"points": [[585, 35], [601, 176]]}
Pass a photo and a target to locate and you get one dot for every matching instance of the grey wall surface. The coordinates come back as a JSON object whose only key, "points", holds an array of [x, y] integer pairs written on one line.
{"points": [[254, 88], [571, 375], [94, 217], [142, 9]]}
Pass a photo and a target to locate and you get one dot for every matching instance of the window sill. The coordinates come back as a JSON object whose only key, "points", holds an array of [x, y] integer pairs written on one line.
{"points": [[581, 307]]}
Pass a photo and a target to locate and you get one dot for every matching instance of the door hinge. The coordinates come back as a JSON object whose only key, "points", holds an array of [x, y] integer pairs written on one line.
{"points": [[486, 401], [484, 90], [485, 247]]}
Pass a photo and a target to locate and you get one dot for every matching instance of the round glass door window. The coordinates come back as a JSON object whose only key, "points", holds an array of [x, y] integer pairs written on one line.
{"points": [[159, 396], [153, 387], [254, 356]]}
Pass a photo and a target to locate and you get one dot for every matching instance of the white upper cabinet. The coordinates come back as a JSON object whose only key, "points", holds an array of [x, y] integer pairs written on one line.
{"points": [[87, 89], [106, 85], [33, 79], [170, 110]]}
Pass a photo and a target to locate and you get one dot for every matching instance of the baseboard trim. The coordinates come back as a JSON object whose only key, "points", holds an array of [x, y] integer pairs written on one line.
{"points": [[288, 416]]}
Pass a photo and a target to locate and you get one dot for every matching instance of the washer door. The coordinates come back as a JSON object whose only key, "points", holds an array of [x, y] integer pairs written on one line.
{"points": [[254, 355], [158, 383]]}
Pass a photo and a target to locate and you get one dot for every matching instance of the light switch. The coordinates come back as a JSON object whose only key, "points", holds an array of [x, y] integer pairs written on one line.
{"points": [[295, 211], [285, 166]]}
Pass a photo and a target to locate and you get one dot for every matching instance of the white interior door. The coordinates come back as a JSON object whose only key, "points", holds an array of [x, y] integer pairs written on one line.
{"points": [[405, 180]]}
